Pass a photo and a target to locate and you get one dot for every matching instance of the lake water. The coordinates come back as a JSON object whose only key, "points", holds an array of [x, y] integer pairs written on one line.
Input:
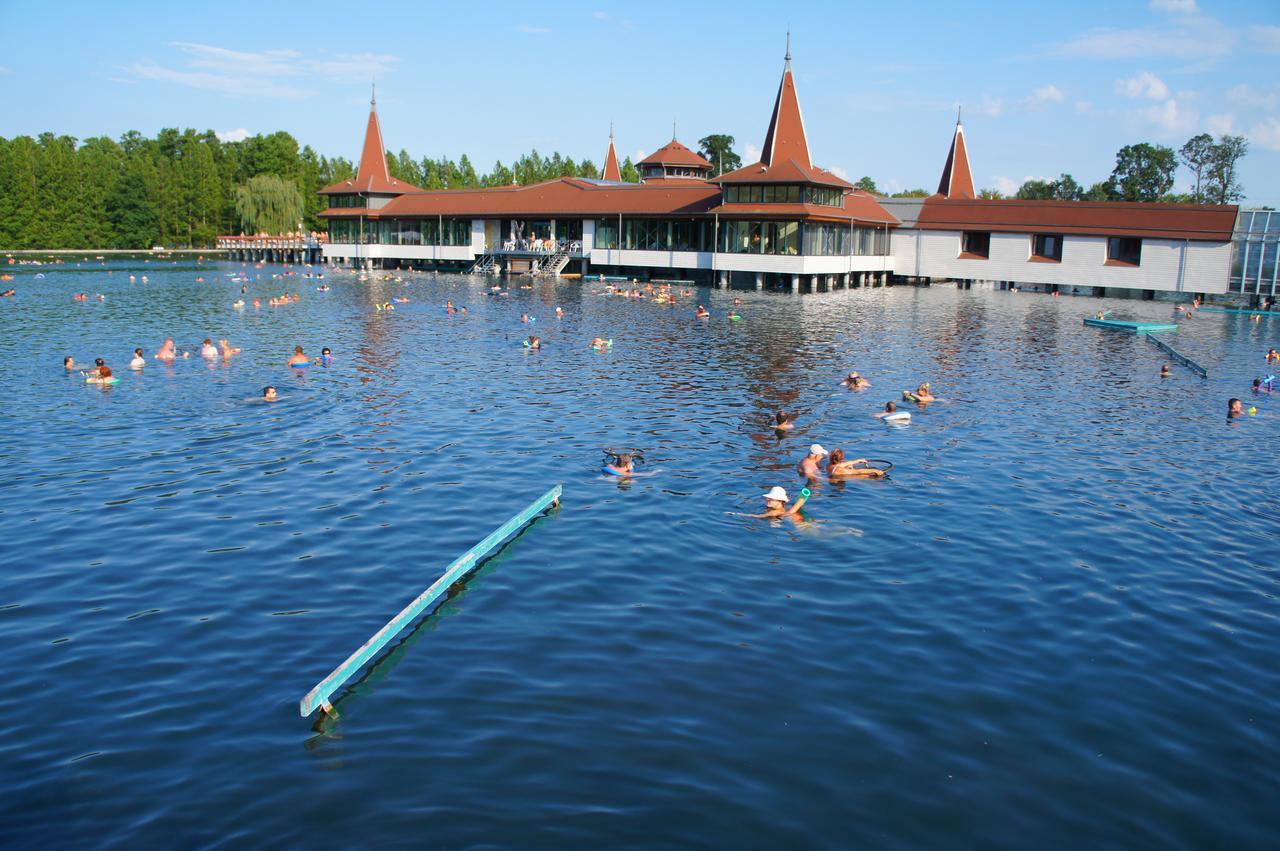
{"points": [[1054, 625]]}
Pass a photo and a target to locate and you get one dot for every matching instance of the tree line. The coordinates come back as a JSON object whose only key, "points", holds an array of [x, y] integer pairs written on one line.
{"points": [[184, 188], [1143, 172]]}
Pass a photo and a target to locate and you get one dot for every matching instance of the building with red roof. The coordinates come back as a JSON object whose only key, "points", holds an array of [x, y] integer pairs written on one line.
{"points": [[780, 222]]}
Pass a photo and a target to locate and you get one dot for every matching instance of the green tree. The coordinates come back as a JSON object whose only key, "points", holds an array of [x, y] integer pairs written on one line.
{"points": [[629, 172], [269, 204], [499, 175], [133, 218], [911, 193], [1103, 190], [866, 184], [1144, 172], [991, 194], [18, 192], [467, 173], [1035, 190], [1223, 183], [717, 149], [1196, 155], [59, 214], [101, 163]]}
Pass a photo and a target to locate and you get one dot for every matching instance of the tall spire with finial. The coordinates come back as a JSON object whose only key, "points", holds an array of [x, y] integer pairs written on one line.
{"points": [[673, 129], [373, 157], [611, 170], [957, 179], [786, 139], [959, 108], [373, 95]]}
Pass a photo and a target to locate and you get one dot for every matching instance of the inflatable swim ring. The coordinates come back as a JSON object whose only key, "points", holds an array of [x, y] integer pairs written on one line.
{"points": [[901, 417]]}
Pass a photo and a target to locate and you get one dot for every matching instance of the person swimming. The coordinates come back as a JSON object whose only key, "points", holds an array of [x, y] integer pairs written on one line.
{"points": [[621, 464], [702, 312], [69, 363], [855, 381], [524, 317], [1260, 387], [923, 394], [138, 362], [1234, 409], [600, 344], [102, 376], [167, 350], [1273, 355], [226, 349], [299, 359], [838, 467], [808, 466], [1164, 371], [208, 349], [782, 421], [891, 410], [533, 342], [776, 504], [269, 394], [326, 357]]}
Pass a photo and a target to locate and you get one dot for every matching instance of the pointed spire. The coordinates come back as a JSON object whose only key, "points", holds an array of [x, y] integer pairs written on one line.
{"points": [[957, 179], [958, 110], [373, 95], [611, 170], [373, 157], [673, 129], [786, 138]]}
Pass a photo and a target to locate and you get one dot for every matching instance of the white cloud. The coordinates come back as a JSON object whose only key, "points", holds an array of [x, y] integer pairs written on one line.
{"points": [[991, 106], [1265, 37], [529, 28], [1196, 38], [750, 154], [1169, 117], [1043, 96], [1177, 7], [237, 135], [640, 154], [1244, 95], [1266, 134], [1006, 185], [1145, 84], [4, 70], [840, 173], [1219, 125], [267, 73]]}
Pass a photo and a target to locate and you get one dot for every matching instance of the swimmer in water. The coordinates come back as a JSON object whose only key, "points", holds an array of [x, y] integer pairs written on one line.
{"points": [[103, 375], [889, 408], [1164, 371], [167, 351], [1260, 387], [620, 465], [8, 293], [923, 395], [559, 312], [1273, 355], [1234, 409], [600, 344], [775, 504], [837, 467], [69, 363], [702, 312], [98, 365], [1102, 314], [269, 394], [138, 362], [226, 349], [808, 466], [326, 357], [524, 317], [855, 381], [299, 359], [533, 343], [782, 421], [208, 349]]}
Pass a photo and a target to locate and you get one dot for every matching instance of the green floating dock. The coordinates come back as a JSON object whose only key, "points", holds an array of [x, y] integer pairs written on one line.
{"points": [[318, 697], [1134, 326], [1178, 356], [1266, 313]]}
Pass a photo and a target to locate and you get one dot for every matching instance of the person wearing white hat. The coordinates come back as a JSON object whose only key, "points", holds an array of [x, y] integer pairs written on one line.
{"points": [[809, 466], [775, 504]]}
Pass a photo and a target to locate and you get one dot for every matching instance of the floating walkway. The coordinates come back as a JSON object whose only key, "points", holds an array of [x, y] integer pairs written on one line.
{"points": [[318, 697], [1178, 356], [1128, 325], [1267, 313]]}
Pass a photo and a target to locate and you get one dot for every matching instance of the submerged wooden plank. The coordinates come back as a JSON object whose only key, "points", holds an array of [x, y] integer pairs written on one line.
{"points": [[460, 567]]}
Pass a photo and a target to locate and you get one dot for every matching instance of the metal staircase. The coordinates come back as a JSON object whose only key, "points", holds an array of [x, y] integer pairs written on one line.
{"points": [[553, 264], [486, 265]]}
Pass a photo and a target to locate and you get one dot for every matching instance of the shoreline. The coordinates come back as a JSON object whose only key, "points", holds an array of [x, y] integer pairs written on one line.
{"points": [[116, 251]]}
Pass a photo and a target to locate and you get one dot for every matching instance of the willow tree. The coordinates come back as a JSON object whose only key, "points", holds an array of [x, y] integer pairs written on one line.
{"points": [[269, 204]]}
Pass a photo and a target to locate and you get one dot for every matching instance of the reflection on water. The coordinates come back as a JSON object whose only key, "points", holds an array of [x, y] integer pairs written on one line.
{"points": [[1061, 602]]}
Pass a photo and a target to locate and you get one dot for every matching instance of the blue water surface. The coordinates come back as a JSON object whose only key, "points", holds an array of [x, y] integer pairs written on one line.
{"points": [[1054, 625]]}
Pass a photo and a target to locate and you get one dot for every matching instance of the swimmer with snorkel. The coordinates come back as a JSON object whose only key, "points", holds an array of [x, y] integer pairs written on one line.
{"points": [[855, 381]]}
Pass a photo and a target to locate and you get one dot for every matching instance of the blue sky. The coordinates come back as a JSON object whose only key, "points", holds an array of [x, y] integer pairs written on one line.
{"points": [[1045, 88]]}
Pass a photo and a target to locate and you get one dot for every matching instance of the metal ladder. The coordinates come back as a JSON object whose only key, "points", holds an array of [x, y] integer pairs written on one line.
{"points": [[552, 265], [486, 265]]}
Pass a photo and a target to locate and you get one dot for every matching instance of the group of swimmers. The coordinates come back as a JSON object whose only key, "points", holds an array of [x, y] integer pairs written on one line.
{"points": [[778, 504]]}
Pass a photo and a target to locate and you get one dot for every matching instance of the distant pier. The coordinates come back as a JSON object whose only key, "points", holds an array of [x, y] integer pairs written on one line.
{"points": [[294, 248]]}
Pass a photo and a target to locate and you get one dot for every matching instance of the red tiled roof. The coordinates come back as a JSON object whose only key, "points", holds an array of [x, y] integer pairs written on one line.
{"points": [[611, 170], [787, 171], [373, 175], [957, 180], [674, 153], [567, 196], [858, 206], [1085, 218]]}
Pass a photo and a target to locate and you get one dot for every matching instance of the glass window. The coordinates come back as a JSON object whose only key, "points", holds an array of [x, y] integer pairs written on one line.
{"points": [[976, 243], [1124, 250], [1047, 246], [606, 233]]}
